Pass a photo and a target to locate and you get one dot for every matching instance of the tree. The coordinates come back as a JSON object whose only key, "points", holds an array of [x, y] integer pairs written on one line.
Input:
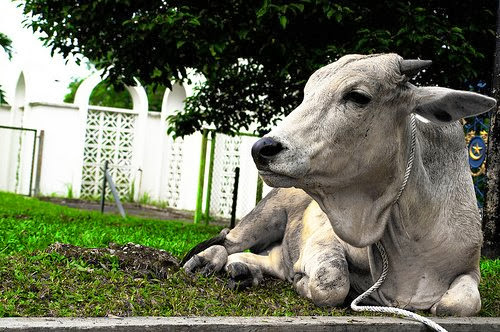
{"points": [[6, 45], [256, 56], [106, 94], [491, 213]]}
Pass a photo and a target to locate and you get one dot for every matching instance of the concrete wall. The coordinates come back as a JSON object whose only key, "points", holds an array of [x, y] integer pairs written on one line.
{"points": [[60, 123], [159, 168]]}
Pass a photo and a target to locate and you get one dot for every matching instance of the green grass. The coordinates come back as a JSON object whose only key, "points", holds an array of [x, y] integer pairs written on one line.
{"points": [[36, 283], [490, 287], [27, 224], [42, 284]]}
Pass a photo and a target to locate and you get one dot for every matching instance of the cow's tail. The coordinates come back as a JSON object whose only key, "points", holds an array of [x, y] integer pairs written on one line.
{"points": [[217, 240]]}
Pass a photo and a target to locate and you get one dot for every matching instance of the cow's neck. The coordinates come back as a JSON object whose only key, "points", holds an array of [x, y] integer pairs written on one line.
{"points": [[436, 209], [360, 212]]}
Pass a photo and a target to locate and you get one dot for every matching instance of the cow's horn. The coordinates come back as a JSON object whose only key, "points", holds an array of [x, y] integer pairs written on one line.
{"points": [[410, 68]]}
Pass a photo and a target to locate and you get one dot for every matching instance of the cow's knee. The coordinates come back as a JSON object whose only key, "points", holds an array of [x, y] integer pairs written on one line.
{"points": [[461, 299], [209, 261], [329, 283]]}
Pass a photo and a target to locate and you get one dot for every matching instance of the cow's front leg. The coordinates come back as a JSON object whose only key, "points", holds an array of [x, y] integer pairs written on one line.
{"points": [[461, 299], [257, 231], [246, 269]]}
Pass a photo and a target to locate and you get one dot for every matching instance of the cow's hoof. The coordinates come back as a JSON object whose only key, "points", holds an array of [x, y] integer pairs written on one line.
{"points": [[462, 299], [240, 276], [207, 262]]}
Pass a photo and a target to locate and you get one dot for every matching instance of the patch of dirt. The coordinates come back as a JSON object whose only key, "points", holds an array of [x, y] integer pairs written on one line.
{"points": [[133, 209], [136, 259]]}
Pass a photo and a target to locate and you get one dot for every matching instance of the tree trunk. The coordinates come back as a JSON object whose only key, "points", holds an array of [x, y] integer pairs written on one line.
{"points": [[491, 216]]}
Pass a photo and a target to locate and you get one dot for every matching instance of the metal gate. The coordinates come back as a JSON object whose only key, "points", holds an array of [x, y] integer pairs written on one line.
{"points": [[17, 159]]}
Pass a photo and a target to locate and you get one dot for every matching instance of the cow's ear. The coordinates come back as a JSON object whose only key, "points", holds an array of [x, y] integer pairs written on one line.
{"points": [[442, 105]]}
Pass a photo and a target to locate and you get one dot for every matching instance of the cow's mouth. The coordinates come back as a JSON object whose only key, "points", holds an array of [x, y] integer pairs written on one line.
{"points": [[274, 179]]}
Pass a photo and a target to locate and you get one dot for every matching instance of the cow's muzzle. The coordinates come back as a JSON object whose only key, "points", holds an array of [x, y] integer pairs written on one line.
{"points": [[265, 150]]}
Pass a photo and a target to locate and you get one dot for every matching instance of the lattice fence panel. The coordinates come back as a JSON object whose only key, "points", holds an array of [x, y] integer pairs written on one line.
{"points": [[109, 137], [227, 158], [174, 172]]}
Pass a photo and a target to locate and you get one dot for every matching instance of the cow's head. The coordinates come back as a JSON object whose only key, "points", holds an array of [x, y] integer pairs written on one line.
{"points": [[349, 136]]}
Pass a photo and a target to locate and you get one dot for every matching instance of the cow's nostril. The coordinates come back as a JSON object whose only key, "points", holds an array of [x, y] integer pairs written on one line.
{"points": [[271, 150], [265, 149]]}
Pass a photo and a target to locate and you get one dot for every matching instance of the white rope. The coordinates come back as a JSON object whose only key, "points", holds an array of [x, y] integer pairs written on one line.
{"points": [[385, 264], [409, 164]]}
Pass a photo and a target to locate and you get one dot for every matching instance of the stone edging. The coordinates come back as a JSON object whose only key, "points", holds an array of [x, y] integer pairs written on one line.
{"points": [[223, 324]]}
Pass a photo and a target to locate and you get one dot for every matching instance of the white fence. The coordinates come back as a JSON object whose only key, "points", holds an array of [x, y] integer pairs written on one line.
{"points": [[144, 161]]}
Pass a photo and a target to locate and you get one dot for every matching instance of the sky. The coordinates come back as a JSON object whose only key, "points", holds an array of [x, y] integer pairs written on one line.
{"points": [[47, 77]]}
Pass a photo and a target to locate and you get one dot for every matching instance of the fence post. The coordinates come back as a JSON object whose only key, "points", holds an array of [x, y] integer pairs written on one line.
{"points": [[260, 185], [38, 171], [103, 193], [235, 196], [201, 177], [210, 176], [31, 192]]}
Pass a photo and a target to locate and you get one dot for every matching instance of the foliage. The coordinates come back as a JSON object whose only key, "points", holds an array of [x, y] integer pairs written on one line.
{"points": [[155, 97], [106, 94], [6, 45], [257, 55]]}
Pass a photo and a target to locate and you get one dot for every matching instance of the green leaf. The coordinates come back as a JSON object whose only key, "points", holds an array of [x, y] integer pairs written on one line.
{"points": [[211, 48], [330, 13], [194, 21], [298, 6], [6, 45], [180, 43], [283, 21], [243, 33], [263, 10]]}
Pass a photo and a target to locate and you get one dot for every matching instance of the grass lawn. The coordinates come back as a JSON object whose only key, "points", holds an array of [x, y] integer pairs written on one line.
{"points": [[37, 283]]}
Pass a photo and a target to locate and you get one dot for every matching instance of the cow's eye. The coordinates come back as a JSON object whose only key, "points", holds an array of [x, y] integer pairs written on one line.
{"points": [[357, 97]]}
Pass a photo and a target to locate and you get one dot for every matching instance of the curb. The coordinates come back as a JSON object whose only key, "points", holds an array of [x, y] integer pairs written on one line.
{"points": [[245, 324]]}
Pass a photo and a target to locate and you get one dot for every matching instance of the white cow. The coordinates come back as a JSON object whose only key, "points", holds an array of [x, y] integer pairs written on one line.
{"points": [[348, 147]]}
